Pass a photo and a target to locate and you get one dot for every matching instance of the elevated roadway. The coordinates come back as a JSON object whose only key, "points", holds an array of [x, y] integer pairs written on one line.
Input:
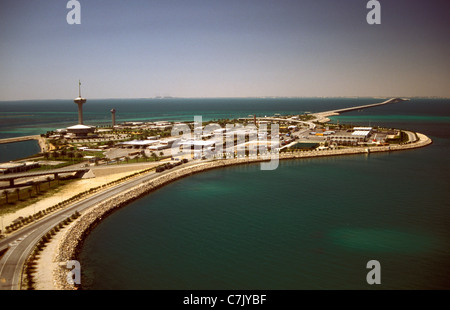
{"points": [[55, 172]]}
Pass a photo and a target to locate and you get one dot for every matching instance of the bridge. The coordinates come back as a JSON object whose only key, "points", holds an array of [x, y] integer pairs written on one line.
{"points": [[55, 172], [322, 116]]}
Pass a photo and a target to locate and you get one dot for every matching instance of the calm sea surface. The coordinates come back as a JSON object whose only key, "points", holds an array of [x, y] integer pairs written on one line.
{"points": [[310, 224]]}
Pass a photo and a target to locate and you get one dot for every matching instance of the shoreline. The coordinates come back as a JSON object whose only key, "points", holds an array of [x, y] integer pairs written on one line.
{"points": [[67, 245]]}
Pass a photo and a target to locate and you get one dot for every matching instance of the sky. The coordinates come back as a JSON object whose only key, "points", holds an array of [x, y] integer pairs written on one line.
{"points": [[226, 48]]}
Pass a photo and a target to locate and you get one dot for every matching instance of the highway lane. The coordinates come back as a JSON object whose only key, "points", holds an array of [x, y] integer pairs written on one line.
{"points": [[411, 136], [21, 243]]}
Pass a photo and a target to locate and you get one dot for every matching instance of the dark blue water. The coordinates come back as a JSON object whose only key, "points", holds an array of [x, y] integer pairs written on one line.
{"points": [[310, 224]]}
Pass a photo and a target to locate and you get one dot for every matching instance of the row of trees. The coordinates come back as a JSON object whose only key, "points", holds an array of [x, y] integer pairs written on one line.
{"points": [[29, 190], [63, 153]]}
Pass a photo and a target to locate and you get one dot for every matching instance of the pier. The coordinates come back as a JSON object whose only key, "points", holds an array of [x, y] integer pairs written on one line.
{"points": [[19, 139], [42, 143]]}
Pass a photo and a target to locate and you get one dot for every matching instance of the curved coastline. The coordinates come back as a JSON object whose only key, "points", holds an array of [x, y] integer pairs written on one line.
{"points": [[70, 243]]}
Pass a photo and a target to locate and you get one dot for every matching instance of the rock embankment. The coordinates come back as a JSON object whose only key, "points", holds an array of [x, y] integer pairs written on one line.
{"points": [[72, 239]]}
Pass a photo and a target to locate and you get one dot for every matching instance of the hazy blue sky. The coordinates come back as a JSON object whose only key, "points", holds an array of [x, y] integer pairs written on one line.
{"points": [[226, 48]]}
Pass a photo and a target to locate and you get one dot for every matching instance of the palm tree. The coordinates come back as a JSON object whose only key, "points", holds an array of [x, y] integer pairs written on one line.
{"points": [[17, 190], [155, 157], [71, 155], [6, 192]]}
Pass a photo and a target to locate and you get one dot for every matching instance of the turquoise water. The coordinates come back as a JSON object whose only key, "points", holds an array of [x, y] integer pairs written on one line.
{"points": [[310, 224]]}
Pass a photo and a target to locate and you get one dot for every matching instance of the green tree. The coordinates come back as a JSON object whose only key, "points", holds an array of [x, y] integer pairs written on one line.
{"points": [[154, 156], [71, 155], [37, 188], [17, 190], [5, 193], [30, 191]]}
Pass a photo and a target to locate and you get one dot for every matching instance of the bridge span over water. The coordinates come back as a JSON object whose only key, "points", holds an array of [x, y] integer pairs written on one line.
{"points": [[322, 116]]}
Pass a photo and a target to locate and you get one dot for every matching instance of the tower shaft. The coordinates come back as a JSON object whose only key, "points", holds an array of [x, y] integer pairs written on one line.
{"points": [[80, 101], [80, 113]]}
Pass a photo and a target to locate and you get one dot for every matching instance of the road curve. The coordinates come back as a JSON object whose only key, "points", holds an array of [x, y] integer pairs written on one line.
{"points": [[22, 242]]}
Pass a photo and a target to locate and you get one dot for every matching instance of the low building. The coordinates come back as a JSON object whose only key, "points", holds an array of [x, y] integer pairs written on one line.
{"points": [[138, 144], [369, 129], [349, 139], [158, 147]]}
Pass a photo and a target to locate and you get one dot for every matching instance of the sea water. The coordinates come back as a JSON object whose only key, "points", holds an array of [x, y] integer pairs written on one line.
{"points": [[310, 224]]}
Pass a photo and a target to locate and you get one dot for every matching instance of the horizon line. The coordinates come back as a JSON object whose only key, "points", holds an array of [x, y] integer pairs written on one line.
{"points": [[234, 97]]}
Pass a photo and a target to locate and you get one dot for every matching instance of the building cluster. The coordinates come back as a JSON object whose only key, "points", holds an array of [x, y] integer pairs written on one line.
{"points": [[161, 125], [354, 136], [151, 144]]}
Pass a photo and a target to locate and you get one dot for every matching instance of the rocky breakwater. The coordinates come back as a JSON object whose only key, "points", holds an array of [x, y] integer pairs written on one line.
{"points": [[71, 241]]}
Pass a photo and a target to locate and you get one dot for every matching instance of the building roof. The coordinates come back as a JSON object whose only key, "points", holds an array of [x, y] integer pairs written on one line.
{"points": [[361, 133], [363, 128], [139, 142], [79, 126]]}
